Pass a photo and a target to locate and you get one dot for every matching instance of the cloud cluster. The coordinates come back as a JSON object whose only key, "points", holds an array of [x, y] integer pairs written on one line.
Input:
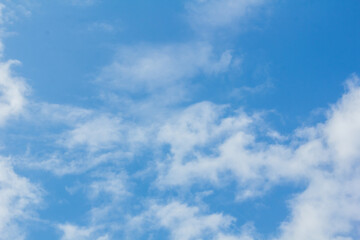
{"points": [[18, 196], [200, 144], [325, 156]]}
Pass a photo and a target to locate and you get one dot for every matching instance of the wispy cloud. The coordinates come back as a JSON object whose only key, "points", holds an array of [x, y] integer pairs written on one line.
{"points": [[71, 232], [82, 3], [182, 221], [207, 16], [113, 184], [154, 68], [102, 26], [186, 147]]}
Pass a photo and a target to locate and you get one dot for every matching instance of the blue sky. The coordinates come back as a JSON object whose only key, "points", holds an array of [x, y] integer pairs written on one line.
{"points": [[180, 120]]}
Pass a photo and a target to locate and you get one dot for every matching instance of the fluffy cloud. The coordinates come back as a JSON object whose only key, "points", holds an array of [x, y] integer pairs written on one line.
{"points": [[328, 208], [200, 124], [206, 143], [12, 92], [18, 198], [184, 222], [342, 128], [326, 156], [73, 232], [100, 132]]}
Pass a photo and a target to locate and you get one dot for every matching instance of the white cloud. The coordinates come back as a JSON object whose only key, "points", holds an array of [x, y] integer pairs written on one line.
{"points": [[101, 26], [326, 156], [73, 232], [328, 208], [113, 184], [12, 92], [98, 133], [205, 145], [209, 15], [83, 3], [247, 232], [183, 222], [234, 149], [48, 113], [343, 125], [18, 199], [18, 196], [9, 12], [153, 68], [105, 237], [76, 162], [78, 139], [2, 6], [199, 125]]}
